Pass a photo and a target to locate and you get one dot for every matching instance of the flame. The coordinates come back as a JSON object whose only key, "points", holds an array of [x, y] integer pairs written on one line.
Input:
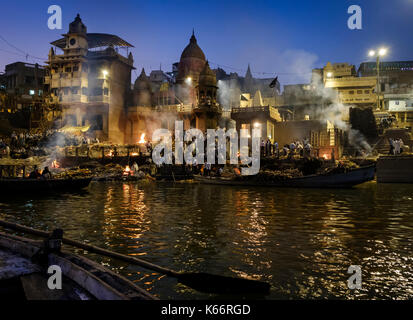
{"points": [[110, 154], [325, 156], [134, 154], [127, 171], [142, 139], [55, 164]]}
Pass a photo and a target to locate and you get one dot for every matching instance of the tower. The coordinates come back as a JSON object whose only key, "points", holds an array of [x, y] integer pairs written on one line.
{"points": [[207, 111], [76, 38]]}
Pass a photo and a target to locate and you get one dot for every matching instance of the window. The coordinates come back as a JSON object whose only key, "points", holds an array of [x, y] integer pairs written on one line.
{"points": [[65, 91], [366, 91], [351, 92], [75, 68], [359, 91], [106, 91], [75, 90], [97, 122], [97, 91], [84, 91]]}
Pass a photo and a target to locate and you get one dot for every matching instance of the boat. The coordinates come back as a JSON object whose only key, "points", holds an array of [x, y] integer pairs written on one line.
{"points": [[333, 180], [24, 266], [8, 185]]}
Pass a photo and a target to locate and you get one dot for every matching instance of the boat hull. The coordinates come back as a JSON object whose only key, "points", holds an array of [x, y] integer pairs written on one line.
{"points": [[41, 186], [337, 180]]}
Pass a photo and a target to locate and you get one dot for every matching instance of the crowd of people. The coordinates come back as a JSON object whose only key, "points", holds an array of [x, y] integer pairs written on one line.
{"points": [[396, 146], [302, 148]]}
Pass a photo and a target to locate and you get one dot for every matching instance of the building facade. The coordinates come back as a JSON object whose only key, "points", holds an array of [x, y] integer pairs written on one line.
{"points": [[90, 79]]}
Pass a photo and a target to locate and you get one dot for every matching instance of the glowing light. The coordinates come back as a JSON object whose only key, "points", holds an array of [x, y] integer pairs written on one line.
{"points": [[325, 156], [382, 51], [329, 74], [372, 53], [55, 164], [110, 154], [134, 154], [142, 139], [127, 171], [257, 124], [188, 80], [105, 73]]}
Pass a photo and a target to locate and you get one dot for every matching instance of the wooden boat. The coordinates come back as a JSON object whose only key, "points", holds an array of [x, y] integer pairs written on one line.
{"points": [[42, 185], [335, 180], [23, 275]]}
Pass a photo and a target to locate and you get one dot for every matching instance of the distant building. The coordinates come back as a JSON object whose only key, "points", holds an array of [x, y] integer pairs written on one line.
{"points": [[22, 86], [352, 90], [23, 82], [189, 94], [396, 88], [91, 80]]}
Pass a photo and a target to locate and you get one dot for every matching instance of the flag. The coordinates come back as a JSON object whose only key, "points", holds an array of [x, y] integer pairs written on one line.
{"points": [[274, 82]]}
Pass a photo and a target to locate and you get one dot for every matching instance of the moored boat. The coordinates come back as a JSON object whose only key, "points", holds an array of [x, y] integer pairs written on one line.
{"points": [[42, 185], [333, 180], [23, 274]]}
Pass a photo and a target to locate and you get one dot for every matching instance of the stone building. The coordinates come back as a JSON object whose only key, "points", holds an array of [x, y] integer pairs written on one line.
{"points": [[352, 89], [188, 94], [90, 79], [396, 88]]}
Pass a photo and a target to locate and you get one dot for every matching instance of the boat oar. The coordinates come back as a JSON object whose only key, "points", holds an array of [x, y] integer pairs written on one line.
{"points": [[200, 281]]}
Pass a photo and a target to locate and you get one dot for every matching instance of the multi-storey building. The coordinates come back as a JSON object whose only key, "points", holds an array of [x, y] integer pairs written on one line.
{"points": [[90, 79], [352, 90]]}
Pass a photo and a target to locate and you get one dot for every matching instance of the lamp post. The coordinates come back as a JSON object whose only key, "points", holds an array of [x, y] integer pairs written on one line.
{"points": [[378, 53]]}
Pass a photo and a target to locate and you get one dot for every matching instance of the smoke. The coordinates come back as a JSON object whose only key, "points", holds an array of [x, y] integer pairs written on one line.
{"points": [[337, 113]]}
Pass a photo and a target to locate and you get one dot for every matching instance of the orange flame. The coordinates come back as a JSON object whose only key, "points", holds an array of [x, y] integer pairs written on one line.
{"points": [[142, 139], [55, 164], [127, 171]]}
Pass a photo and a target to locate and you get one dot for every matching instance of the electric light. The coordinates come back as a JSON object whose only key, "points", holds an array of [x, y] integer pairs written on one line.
{"points": [[105, 73], [256, 124], [329, 74], [382, 51], [372, 53]]}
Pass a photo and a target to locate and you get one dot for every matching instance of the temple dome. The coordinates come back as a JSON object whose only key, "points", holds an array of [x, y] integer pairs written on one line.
{"points": [[192, 62], [192, 50]]}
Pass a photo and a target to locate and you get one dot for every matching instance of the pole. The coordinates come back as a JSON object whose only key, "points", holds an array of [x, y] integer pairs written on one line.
{"points": [[378, 81]]}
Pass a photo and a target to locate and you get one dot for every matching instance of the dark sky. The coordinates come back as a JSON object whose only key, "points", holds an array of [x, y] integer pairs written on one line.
{"points": [[287, 38]]}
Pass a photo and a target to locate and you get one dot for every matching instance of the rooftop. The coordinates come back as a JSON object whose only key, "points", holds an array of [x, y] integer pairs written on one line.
{"points": [[96, 40]]}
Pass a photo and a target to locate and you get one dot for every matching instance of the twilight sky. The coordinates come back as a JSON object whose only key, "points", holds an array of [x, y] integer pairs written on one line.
{"points": [[287, 38]]}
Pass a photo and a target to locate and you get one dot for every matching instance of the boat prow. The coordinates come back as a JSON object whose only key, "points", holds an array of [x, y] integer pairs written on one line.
{"points": [[24, 275]]}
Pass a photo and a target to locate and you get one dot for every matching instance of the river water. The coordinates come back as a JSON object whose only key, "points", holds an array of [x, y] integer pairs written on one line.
{"points": [[301, 241]]}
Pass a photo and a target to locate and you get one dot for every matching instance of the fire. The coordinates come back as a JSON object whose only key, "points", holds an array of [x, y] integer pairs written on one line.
{"points": [[325, 156], [127, 171], [142, 139], [55, 164]]}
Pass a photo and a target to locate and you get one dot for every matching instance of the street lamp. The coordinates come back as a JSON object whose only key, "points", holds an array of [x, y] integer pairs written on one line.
{"points": [[378, 53]]}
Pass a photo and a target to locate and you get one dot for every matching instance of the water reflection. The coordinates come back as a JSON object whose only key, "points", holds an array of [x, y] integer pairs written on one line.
{"points": [[301, 241]]}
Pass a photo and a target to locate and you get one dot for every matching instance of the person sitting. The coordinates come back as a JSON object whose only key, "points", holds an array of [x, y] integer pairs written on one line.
{"points": [[35, 174], [46, 173]]}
